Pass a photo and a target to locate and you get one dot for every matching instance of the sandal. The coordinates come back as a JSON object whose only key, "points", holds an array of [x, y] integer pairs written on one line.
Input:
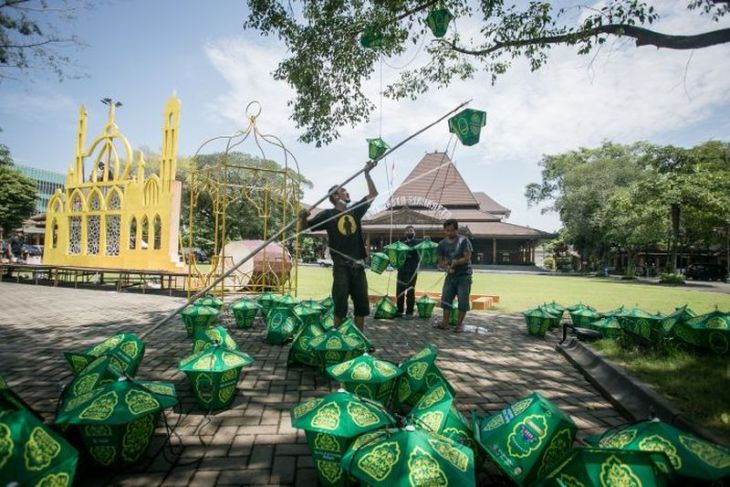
{"points": [[459, 329]]}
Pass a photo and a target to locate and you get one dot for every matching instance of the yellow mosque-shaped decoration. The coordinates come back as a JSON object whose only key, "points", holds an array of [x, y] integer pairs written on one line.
{"points": [[113, 216]]}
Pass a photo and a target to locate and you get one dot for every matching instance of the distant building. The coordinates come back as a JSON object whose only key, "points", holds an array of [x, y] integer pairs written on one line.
{"points": [[435, 191], [46, 181]]}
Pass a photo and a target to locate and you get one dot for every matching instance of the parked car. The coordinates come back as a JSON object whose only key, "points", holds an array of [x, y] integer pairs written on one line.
{"points": [[199, 255], [325, 262], [32, 250], [706, 272]]}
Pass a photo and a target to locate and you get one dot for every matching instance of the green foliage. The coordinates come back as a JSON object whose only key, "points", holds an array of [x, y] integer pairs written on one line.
{"points": [[549, 263], [327, 64], [17, 194], [29, 38], [636, 197], [671, 279]]}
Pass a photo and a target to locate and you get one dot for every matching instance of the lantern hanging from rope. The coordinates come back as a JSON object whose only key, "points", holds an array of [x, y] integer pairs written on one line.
{"points": [[376, 148], [438, 21], [372, 37], [467, 124]]}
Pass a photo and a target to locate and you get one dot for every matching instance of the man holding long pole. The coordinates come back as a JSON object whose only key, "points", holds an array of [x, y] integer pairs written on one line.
{"points": [[347, 247]]}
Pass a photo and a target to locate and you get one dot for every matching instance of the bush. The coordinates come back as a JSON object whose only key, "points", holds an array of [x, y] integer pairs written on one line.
{"points": [[549, 263], [671, 279]]}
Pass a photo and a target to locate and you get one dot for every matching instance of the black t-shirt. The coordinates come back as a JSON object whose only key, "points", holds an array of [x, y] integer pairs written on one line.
{"points": [[455, 250], [344, 231], [411, 264]]}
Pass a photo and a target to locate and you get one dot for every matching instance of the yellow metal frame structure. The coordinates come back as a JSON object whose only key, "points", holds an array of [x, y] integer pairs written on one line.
{"points": [[268, 198], [115, 217]]}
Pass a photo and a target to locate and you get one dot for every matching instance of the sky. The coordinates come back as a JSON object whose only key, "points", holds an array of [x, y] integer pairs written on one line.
{"points": [[140, 52]]}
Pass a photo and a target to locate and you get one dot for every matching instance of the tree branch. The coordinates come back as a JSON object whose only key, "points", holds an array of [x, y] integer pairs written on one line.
{"points": [[644, 37]]}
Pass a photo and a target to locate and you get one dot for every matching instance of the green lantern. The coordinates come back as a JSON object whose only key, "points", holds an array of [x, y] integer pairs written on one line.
{"points": [[690, 458], [710, 331], [539, 320], [425, 305], [196, 317], [420, 373], [467, 124], [608, 327], [555, 308], [639, 326], [601, 467], [33, 454], [397, 253], [526, 439], [372, 37], [210, 337], [438, 21], [328, 319], [116, 421], [367, 377], [409, 457], [10, 401], [327, 303], [301, 351], [454, 314], [335, 347], [614, 312], [385, 309], [128, 348], [287, 300], [348, 327], [376, 148], [210, 301], [378, 262], [267, 301], [281, 325], [436, 413], [674, 321], [426, 250], [102, 371], [308, 314], [245, 311], [582, 317], [214, 374], [331, 423]]}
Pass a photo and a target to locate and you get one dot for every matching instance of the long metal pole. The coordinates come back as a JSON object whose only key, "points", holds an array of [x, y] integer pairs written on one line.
{"points": [[295, 220]]}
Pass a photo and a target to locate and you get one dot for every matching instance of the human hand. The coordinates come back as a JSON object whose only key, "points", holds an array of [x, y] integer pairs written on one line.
{"points": [[370, 165], [304, 213]]}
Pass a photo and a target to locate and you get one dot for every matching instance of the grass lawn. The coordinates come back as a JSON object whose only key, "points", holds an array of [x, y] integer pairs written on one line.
{"points": [[697, 384], [519, 292]]}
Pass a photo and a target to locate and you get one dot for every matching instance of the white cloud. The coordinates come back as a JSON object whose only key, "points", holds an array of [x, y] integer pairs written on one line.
{"points": [[34, 106]]}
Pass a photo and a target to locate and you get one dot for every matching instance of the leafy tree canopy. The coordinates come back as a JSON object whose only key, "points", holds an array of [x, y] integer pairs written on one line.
{"points": [[327, 65], [17, 194]]}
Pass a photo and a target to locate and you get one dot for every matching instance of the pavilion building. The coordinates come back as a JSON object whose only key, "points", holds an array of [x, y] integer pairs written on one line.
{"points": [[435, 191]]}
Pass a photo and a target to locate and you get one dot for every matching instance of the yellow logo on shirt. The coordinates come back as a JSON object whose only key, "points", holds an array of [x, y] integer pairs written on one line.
{"points": [[346, 225]]}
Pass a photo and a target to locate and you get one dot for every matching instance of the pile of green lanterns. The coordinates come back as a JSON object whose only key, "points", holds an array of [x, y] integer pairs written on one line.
{"points": [[634, 326]]}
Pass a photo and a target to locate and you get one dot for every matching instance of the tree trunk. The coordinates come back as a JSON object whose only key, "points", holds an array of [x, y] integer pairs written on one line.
{"points": [[675, 235]]}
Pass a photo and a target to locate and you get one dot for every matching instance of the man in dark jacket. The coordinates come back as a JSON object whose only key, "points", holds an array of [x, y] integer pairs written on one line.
{"points": [[407, 275]]}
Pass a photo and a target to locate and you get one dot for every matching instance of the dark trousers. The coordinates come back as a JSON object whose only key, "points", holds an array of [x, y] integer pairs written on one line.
{"points": [[406, 290]]}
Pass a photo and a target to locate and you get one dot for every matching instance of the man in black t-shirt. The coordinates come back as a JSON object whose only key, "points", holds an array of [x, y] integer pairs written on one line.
{"points": [[347, 247]]}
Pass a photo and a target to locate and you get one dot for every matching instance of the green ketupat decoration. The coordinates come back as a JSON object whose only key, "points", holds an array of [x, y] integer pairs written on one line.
{"points": [[209, 337], [210, 301], [281, 325], [436, 413], [425, 305], [301, 351], [467, 125], [690, 458], [385, 309], [128, 352], [245, 311], [409, 457], [214, 374], [198, 317], [331, 424], [368, 377], [526, 439], [335, 347], [600, 467], [117, 420]]}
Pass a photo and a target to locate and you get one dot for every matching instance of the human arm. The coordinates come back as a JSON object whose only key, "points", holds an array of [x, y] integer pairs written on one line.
{"points": [[303, 219], [372, 190]]}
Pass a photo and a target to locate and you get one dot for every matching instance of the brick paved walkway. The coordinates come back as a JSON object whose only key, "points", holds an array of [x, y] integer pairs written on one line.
{"points": [[491, 365]]}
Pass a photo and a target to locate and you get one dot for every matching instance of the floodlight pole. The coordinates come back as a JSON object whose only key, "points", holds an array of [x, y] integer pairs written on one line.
{"points": [[295, 220]]}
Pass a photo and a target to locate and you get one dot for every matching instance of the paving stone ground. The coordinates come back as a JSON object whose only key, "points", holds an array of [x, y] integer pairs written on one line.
{"points": [[491, 365]]}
